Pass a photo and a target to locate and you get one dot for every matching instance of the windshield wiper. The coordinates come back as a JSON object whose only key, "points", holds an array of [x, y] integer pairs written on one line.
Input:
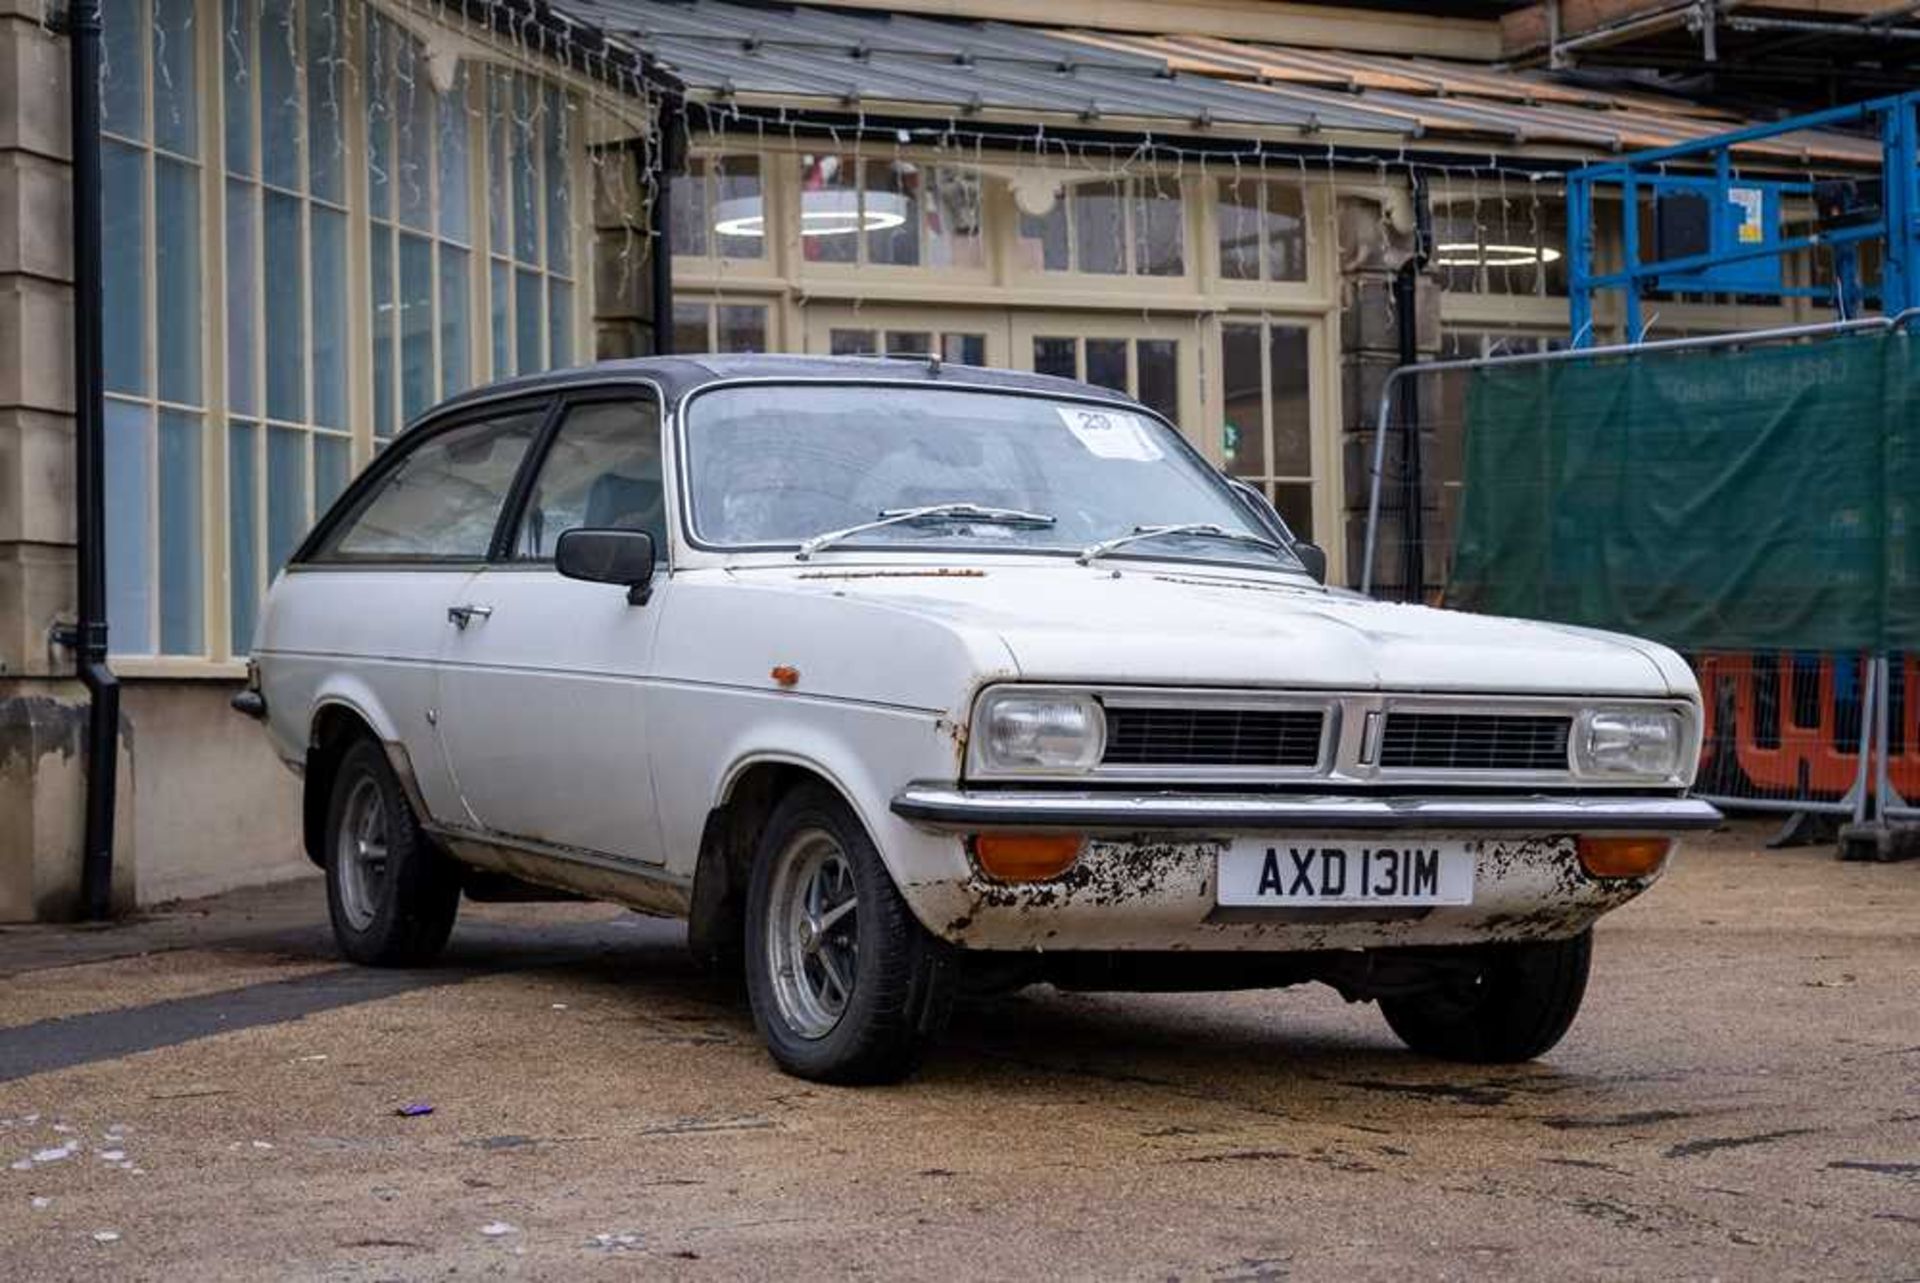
{"points": [[931, 512], [1206, 529]]}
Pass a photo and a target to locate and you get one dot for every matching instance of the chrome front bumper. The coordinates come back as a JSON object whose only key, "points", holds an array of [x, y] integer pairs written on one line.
{"points": [[951, 808]]}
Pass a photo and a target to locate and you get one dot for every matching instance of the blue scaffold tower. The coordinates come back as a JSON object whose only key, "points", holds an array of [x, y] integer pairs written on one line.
{"points": [[1717, 231]]}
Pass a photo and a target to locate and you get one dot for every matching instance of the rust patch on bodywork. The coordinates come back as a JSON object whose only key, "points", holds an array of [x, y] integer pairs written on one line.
{"points": [[1158, 891], [1111, 871], [955, 729]]}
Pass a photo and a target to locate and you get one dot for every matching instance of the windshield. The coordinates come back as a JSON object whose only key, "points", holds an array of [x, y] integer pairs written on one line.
{"points": [[781, 464]]}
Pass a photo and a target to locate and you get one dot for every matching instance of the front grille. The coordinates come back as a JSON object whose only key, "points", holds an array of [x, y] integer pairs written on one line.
{"points": [[1475, 742], [1214, 737]]}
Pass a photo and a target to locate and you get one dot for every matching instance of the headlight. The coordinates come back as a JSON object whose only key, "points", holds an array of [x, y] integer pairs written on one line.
{"points": [[1636, 743], [1015, 730]]}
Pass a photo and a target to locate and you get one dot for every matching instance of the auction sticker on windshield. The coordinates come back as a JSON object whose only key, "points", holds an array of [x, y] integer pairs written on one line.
{"points": [[1110, 434], [1305, 871]]}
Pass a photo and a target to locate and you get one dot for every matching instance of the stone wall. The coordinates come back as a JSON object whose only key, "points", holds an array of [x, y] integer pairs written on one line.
{"points": [[212, 807], [622, 257], [42, 711]]}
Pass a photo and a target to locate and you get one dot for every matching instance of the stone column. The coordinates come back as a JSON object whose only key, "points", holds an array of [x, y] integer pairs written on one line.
{"points": [[1376, 239], [622, 257], [43, 710]]}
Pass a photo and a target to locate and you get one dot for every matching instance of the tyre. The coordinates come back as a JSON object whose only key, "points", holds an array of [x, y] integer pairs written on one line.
{"points": [[846, 985], [392, 896], [1517, 1003]]}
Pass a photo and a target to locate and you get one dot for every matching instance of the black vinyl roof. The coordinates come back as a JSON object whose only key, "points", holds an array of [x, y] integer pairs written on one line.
{"points": [[679, 376]]}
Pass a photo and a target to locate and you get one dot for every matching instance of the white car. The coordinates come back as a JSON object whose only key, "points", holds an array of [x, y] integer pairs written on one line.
{"points": [[900, 680]]}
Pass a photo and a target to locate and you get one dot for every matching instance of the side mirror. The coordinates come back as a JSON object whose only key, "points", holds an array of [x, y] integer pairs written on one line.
{"points": [[1311, 555], [1314, 558], [623, 557]]}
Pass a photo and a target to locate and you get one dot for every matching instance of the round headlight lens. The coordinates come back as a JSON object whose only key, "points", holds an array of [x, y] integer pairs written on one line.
{"points": [[1047, 732], [1630, 742]]}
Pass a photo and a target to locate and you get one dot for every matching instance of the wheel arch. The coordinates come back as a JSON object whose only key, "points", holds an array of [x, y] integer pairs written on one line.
{"points": [[336, 723], [749, 790]]}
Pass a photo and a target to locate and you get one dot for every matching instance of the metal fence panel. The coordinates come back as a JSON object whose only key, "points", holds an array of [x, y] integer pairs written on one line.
{"points": [[1791, 730]]}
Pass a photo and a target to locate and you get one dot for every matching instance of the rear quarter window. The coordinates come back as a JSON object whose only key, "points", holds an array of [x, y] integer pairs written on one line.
{"points": [[440, 501]]}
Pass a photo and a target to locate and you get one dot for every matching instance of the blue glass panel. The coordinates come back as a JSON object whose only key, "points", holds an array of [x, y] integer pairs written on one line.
{"points": [[328, 234], [279, 82], [123, 233], [529, 338], [499, 88], [243, 533], [243, 274], [456, 324], [182, 563], [381, 269], [560, 323], [286, 494], [330, 467], [379, 91], [122, 69], [413, 149], [502, 321], [176, 117], [416, 326], [129, 486], [455, 126], [178, 323], [524, 159], [326, 140], [236, 55], [556, 131], [286, 319]]}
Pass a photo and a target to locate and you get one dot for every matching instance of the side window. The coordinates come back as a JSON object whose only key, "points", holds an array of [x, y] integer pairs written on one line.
{"points": [[440, 502], [603, 472]]}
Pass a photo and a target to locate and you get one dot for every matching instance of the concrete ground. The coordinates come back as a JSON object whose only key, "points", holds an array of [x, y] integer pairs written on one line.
{"points": [[208, 1093]]}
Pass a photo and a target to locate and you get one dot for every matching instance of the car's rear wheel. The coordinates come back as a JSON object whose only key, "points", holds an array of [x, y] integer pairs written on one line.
{"points": [[846, 985], [1511, 1002], [391, 895]]}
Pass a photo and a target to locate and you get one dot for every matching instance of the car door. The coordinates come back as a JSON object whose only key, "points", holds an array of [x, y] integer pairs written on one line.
{"points": [[542, 686], [376, 579]]}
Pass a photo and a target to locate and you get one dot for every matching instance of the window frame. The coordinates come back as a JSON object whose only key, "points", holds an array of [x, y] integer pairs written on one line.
{"points": [[230, 506], [1263, 281], [702, 171], [520, 494], [1317, 481], [863, 265], [709, 305], [681, 458], [1066, 200], [351, 501]]}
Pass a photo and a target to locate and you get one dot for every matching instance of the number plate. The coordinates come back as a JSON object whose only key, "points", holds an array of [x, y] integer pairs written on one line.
{"points": [[1308, 871]]}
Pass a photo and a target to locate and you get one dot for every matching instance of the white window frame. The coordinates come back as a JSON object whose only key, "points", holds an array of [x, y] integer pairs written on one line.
{"points": [[219, 655]]}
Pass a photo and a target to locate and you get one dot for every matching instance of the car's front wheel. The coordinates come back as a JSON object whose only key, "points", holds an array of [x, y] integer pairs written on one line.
{"points": [[392, 896], [1509, 1002], [846, 986]]}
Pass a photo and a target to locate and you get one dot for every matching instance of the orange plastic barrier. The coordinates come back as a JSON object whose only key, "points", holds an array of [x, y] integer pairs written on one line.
{"points": [[1791, 735], [1903, 726]]}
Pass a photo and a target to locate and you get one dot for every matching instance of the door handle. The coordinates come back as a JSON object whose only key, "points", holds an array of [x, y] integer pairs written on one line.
{"points": [[462, 615]]}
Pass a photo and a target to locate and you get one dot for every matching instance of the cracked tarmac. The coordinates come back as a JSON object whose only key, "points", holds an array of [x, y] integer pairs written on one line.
{"points": [[1740, 1098]]}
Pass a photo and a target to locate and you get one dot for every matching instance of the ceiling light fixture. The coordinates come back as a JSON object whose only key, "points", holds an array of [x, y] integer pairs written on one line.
{"points": [[1469, 254], [822, 213]]}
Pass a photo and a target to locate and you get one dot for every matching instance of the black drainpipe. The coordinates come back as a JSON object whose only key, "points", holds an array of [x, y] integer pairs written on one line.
{"points": [[666, 157], [88, 637], [1406, 286]]}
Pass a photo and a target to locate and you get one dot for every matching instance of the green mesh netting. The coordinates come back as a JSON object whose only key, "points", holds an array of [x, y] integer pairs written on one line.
{"points": [[1709, 499]]}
